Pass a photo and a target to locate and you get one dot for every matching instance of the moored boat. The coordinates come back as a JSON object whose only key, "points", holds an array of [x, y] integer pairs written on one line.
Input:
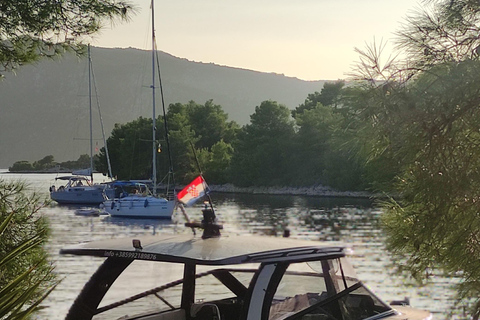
{"points": [[134, 200], [78, 190], [149, 204]]}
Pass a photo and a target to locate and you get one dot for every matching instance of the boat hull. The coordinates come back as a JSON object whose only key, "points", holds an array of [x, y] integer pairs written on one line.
{"points": [[140, 207], [79, 195]]}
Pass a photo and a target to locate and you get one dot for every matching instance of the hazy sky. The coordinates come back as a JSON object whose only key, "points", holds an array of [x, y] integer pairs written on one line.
{"points": [[307, 39]]}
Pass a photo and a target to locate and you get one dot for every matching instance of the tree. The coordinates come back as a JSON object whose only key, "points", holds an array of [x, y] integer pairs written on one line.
{"points": [[263, 148], [205, 128], [362, 158], [426, 115], [45, 163], [130, 150], [209, 122], [312, 144], [202, 127], [27, 277], [217, 166], [83, 161], [441, 180], [446, 33], [31, 30], [329, 96], [21, 166], [322, 154]]}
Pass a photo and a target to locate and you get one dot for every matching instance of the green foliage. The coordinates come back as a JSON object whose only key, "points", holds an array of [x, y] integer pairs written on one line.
{"points": [[218, 164], [312, 144], [48, 163], [205, 127], [425, 120], [440, 185], [367, 152], [329, 96], [26, 278], [130, 150], [273, 150], [209, 122], [182, 154], [82, 162], [264, 147], [447, 32], [45, 163], [21, 166], [31, 30]]}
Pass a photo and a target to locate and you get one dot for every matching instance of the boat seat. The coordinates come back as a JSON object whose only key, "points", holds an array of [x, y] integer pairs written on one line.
{"points": [[205, 311], [178, 314], [360, 306]]}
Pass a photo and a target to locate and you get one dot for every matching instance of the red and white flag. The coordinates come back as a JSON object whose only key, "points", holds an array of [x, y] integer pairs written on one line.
{"points": [[192, 192]]}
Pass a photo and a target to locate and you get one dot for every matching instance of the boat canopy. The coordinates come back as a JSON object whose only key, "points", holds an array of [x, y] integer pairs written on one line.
{"points": [[83, 172], [130, 183], [72, 178], [214, 251]]}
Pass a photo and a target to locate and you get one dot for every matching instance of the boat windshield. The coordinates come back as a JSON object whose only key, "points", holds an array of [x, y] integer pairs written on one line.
{"points": [[147, 287], [324, 290]]}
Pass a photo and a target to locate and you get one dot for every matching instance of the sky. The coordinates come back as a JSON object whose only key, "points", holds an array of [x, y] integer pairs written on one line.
{"points": [[306, 39]]}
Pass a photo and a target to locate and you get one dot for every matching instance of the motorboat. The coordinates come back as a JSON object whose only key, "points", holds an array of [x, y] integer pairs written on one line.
{"points": [[78, 190], [226, 277]]}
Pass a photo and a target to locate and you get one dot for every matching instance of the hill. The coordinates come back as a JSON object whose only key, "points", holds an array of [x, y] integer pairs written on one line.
{"points": [[45, 106]]}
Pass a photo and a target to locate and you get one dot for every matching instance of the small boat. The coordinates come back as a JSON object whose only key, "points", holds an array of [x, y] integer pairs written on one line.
{"points": [[78, 190], [90, 212], [226, 277]]}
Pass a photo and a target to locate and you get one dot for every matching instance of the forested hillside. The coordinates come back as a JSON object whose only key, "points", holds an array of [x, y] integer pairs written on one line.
{"points": [[45, 106]]}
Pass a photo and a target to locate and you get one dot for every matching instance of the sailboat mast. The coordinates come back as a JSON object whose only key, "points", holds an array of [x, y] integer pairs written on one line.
{"points": [[154, 144], [90, 105]]}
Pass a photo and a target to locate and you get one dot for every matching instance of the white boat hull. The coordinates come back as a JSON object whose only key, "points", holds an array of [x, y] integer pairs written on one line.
{"points": [[140, 207]]}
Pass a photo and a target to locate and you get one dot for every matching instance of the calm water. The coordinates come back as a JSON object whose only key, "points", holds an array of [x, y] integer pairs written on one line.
{"points": [[352, 221]]}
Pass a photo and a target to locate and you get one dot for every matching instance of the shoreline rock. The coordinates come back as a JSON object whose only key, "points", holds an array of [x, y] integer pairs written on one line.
{"points": [[313, 191], [317, 191]]}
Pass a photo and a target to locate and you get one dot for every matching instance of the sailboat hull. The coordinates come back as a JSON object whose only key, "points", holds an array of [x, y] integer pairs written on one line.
{"points": [[79, 195], [78, 190], [140, 207]]}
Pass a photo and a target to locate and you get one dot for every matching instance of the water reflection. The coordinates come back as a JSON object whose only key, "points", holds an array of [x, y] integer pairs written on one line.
{"points": [[151, 226], [350, 221], [325, 219]]}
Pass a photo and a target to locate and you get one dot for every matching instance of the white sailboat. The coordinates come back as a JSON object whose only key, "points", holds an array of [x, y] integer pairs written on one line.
{"points": [[79, 187], [144, 203]]}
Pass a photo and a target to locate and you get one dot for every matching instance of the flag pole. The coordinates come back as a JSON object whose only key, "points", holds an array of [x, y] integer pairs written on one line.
{"points": [[203, 179]]}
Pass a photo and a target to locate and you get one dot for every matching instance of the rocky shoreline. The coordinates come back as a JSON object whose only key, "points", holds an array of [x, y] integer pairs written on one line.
{"points": [[314, 191], [318, 191]]}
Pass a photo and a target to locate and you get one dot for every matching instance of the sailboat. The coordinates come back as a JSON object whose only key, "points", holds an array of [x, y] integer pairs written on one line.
{"points": [[144, 201], [79, 187]]}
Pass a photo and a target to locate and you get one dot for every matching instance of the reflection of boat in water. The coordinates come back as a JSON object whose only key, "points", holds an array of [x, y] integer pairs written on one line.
{"points": [[227, 277], [89, 212], [145, 223]]}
